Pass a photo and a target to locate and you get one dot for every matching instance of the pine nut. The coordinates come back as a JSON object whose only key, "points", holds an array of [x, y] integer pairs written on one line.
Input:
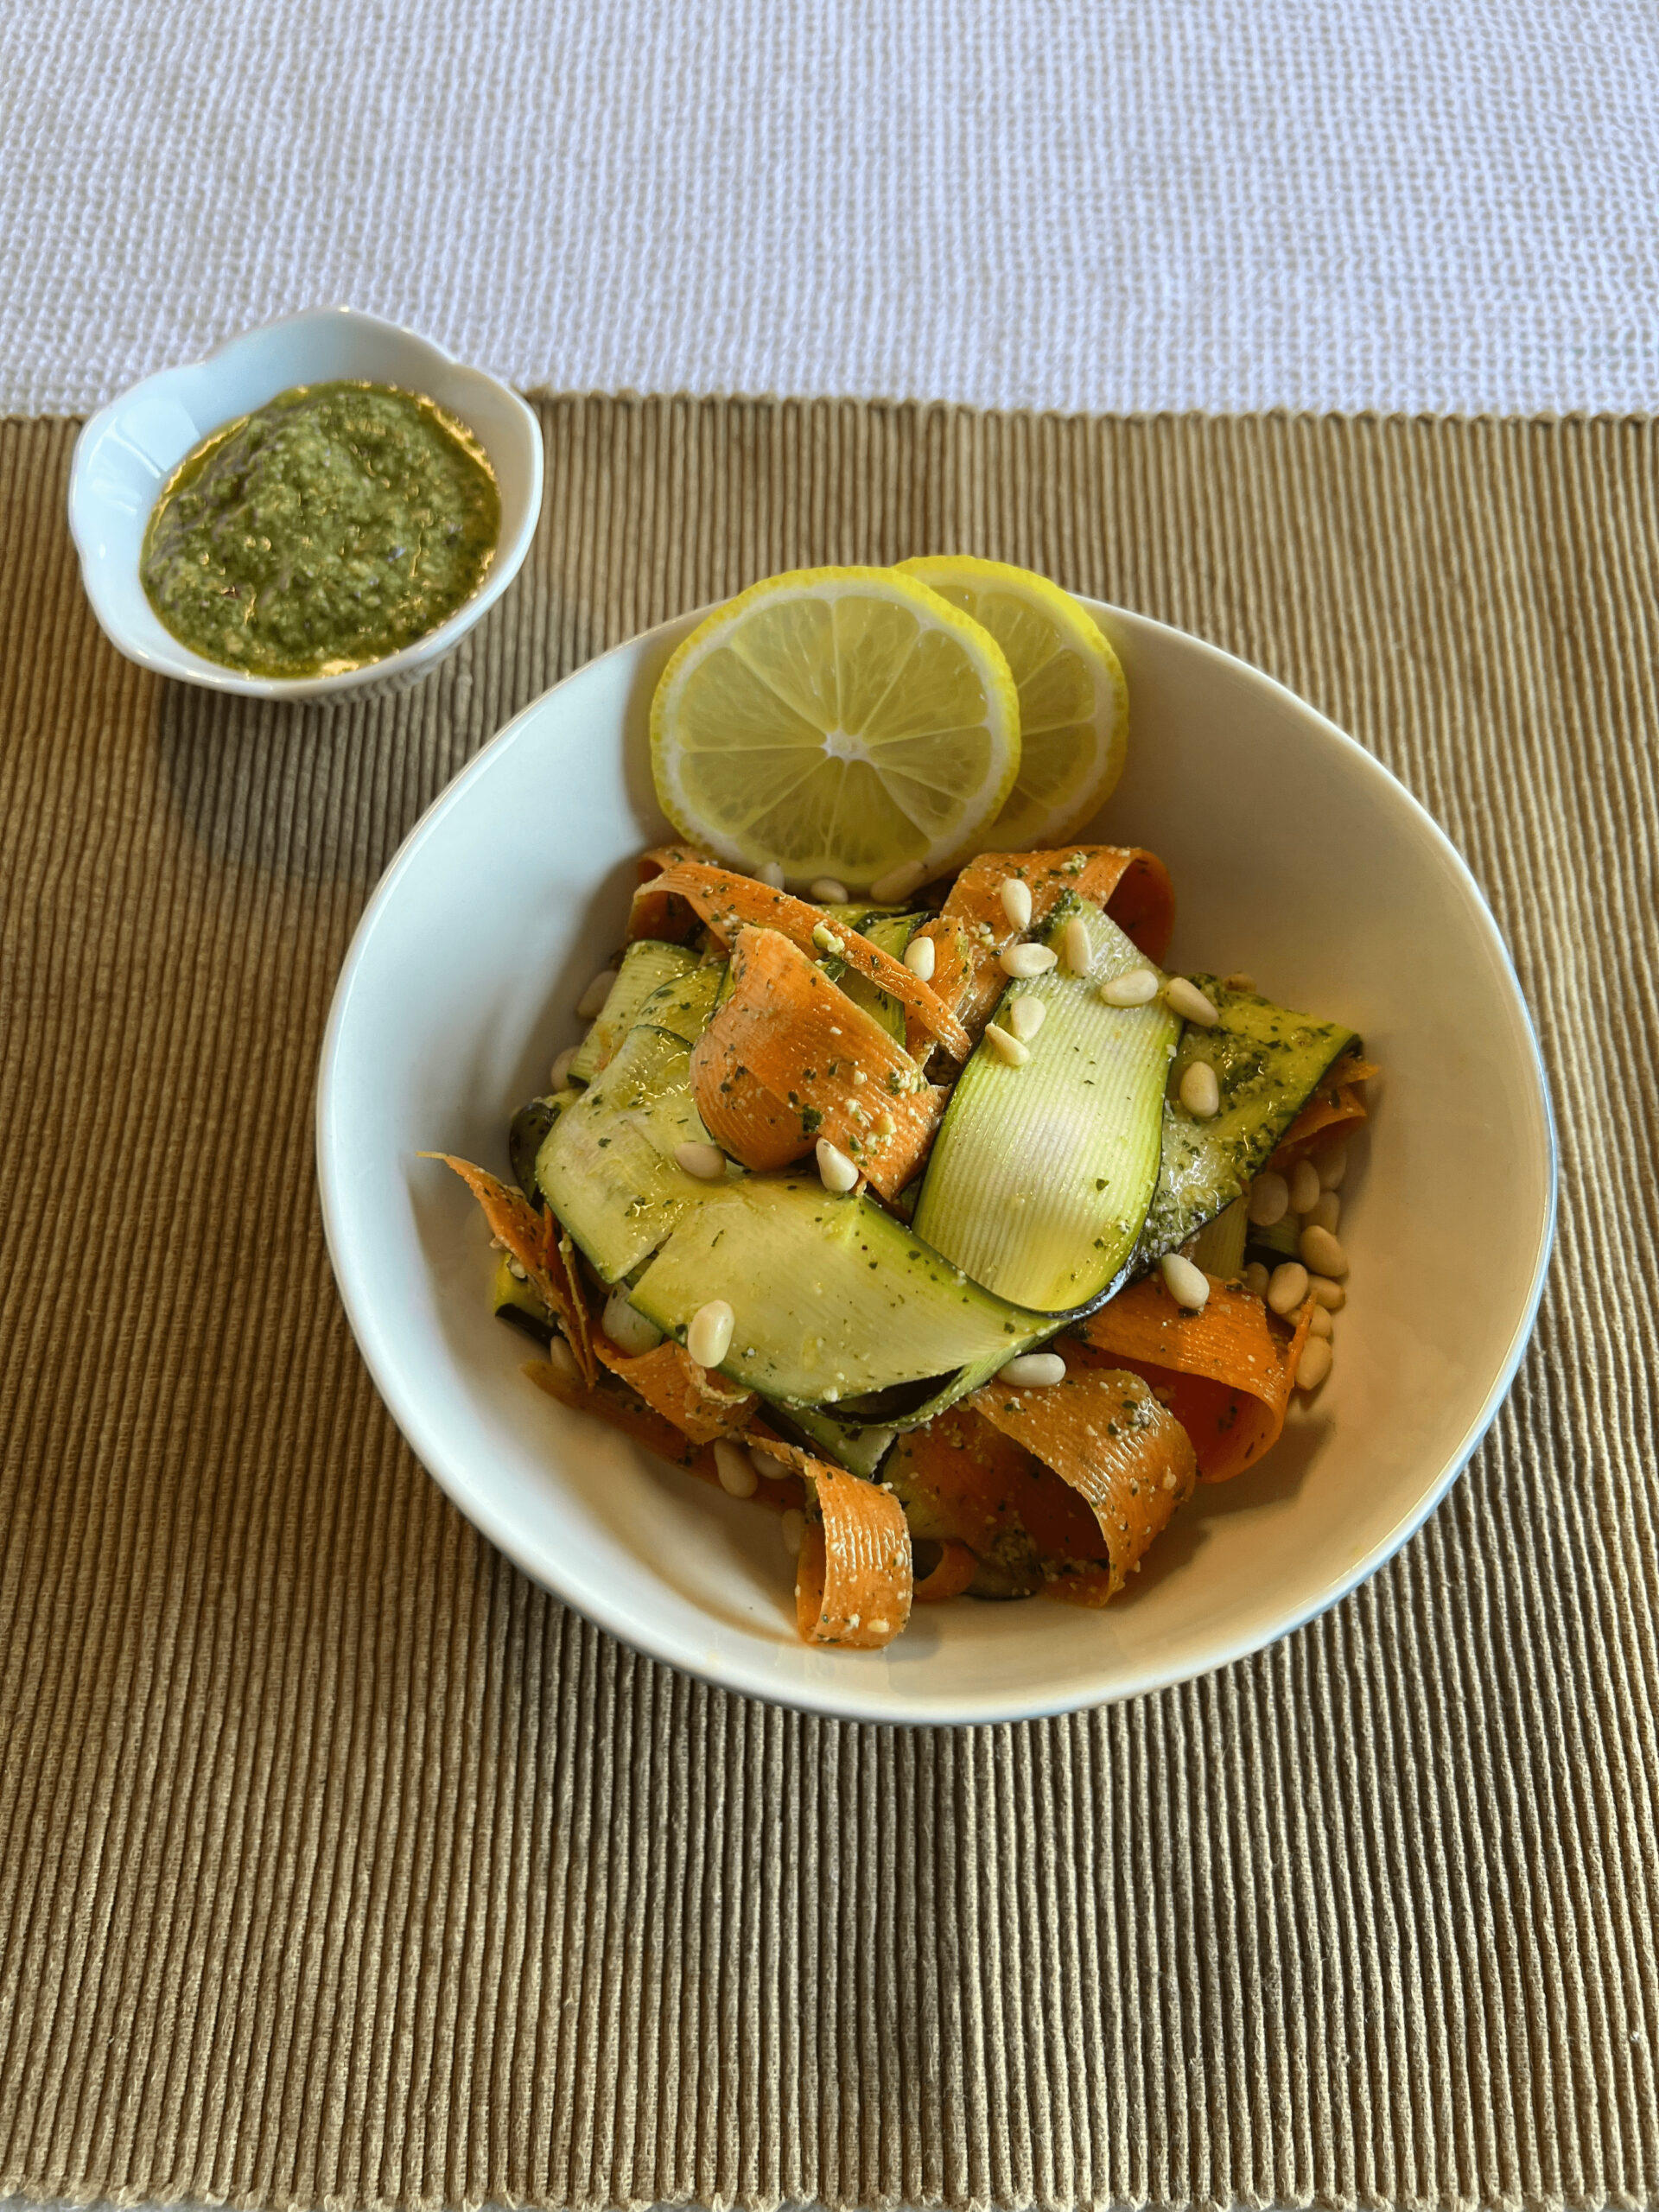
{"points": [[791, 1527], [1324, 1212], [1256, 1280], [1187, 1285], [825, 891], [627, 1328], [1332, 1164], [1319, 1323], [1331, 1295], [1023, 961], [768, 1469], [1321, 1254], [835, 1171], [1239, 981], [771, 873], [1006, 1047], [559, 1074], [737, 1477], [1304, 1186], [898, 883], [561, 1359], [592, 1001], [1016, 902], [709, 1337], [1287, 1287], [1033, 1371], [1270, 1199], [706, 1161], [919, 957], [1137, 987], [1074, 943], [1025, 1017], [1200, 1092], [1186, 999], [1314, 1365]]}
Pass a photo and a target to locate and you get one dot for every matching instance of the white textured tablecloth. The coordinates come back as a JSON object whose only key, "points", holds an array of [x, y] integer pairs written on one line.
{"points": [[1133, 204]]}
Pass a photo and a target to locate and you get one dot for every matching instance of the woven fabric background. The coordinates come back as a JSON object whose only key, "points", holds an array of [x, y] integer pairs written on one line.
{"points": [[1090, 204], [337, 1864]]}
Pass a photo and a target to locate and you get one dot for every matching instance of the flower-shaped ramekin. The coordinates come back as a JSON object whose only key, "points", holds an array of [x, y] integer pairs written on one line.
{"points": [[128, 449]]}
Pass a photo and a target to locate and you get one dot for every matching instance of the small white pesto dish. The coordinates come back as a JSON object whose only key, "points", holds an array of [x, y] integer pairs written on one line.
{"points": [[129, 449]]}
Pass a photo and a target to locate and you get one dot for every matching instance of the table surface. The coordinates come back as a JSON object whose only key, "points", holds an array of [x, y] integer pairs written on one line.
{"points": [[1096, 205]]}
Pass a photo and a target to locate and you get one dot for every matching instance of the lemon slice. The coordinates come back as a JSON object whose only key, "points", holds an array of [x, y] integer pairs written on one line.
{"points": [[1073, 702], [844, 722]]}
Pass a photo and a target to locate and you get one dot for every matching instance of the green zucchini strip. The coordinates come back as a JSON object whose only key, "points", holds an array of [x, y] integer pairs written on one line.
{"points": [[647, 965], [1041, 1174], [607, 1168], [1268, 1060], [834, 1299]]}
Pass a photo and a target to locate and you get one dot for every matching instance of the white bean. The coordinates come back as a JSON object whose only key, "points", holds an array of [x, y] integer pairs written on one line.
{"points": [[1200, 1092], [1304, 1186], [1025, 1017], [1325, 1293], [826, 891], [559, 1074], [709, 1337], [1074, 943], [626, 1327], [737, 1477], [706, 1161], [1016, 902], [1319, 1323], [1324, 1212], [1321, 1254], [1287, 1287], [1333, 1165], [592, 1001], [1255, 1279], [919, 956], [791, 1527], [1270, 1199], [1186, 999], [1006, 1047], [1314, 1365], [1024, 960], [835, 1171], [1137, 987], [898, 883], [771, 873], [1187, 1285], [1034, 1370]]}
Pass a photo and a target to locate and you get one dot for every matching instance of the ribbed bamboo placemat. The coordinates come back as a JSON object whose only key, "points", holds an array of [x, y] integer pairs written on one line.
{"points": [[338, 1864]]}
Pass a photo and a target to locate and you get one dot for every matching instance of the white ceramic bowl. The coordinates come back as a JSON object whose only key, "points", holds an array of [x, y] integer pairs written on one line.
{"points": [[128, 450], [1294, 855]]}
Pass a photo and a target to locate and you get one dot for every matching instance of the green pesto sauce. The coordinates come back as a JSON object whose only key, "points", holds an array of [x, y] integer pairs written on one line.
{"points": [[328, 528]]}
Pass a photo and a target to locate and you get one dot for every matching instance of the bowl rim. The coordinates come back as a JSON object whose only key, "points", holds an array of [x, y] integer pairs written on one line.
{"points": [[845, 1697], [185, 665]]}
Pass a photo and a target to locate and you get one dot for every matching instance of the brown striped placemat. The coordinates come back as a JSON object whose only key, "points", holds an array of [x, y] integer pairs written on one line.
{"points": [[338, 1865]]}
